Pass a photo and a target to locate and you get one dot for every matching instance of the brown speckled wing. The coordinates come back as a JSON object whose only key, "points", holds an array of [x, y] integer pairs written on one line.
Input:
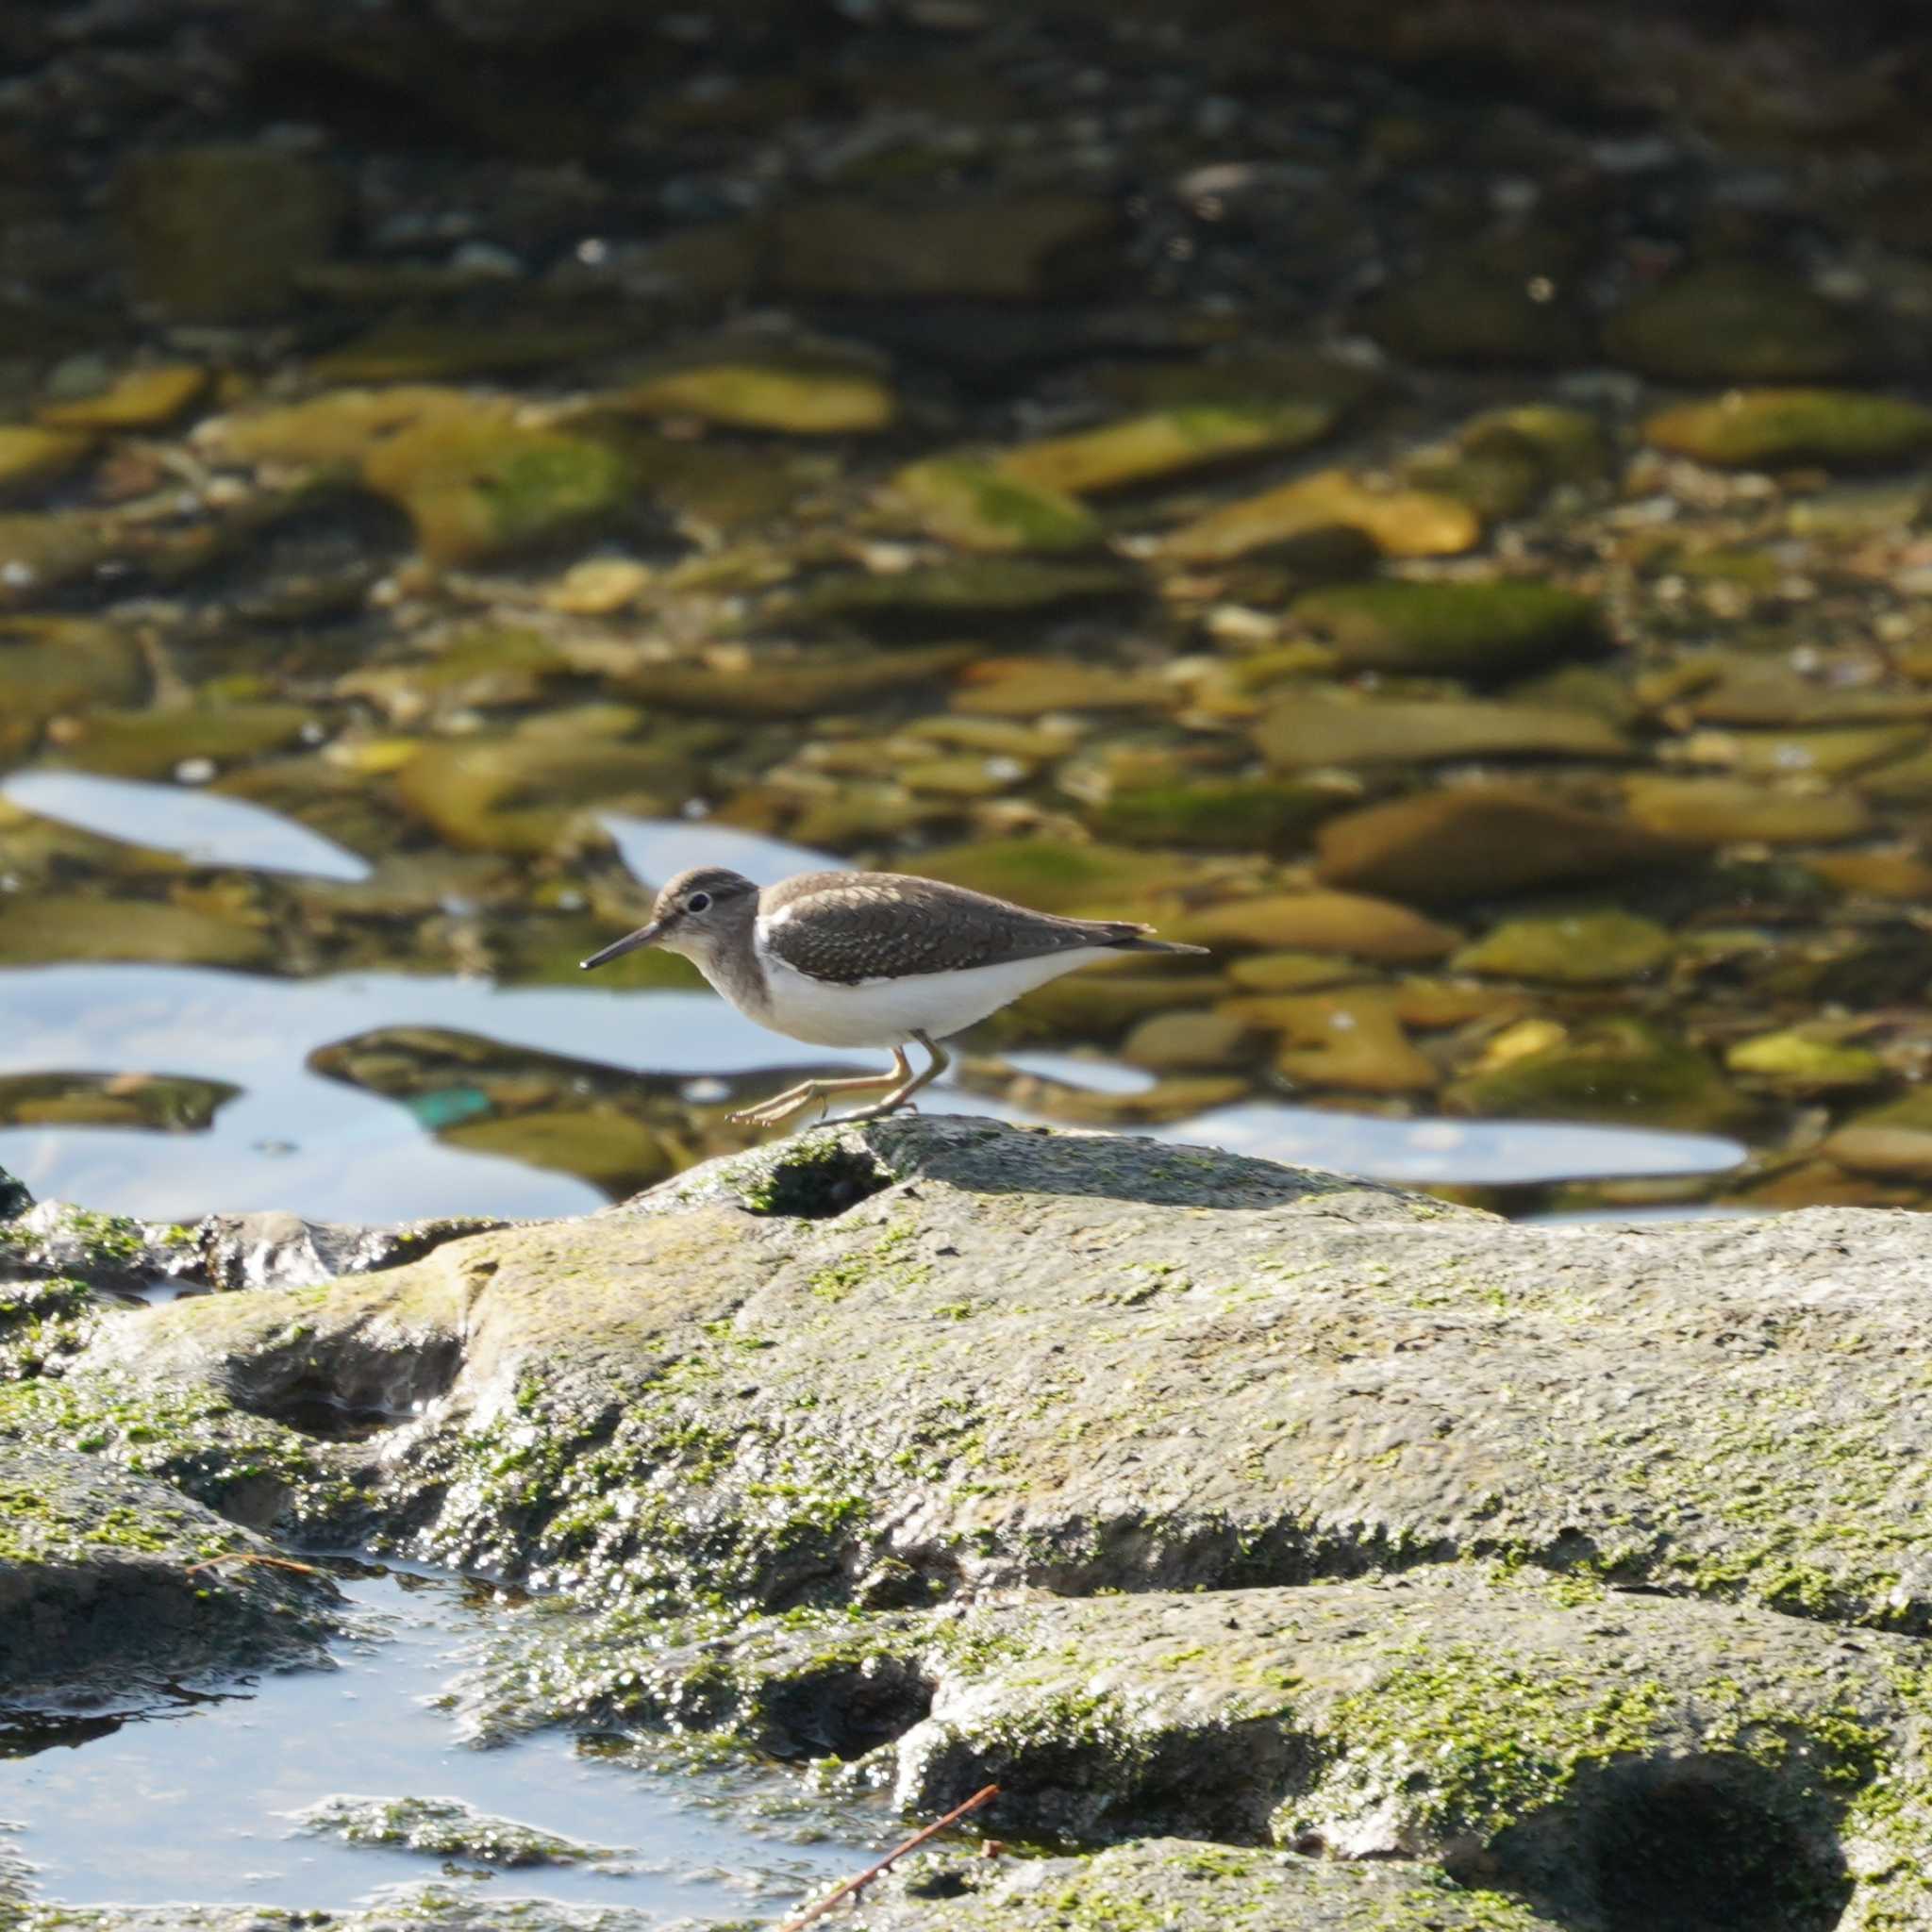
{"points": [[845, 927]]}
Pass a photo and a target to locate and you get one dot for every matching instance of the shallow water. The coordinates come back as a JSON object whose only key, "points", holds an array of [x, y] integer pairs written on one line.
{"points": [[295, 1140], [201, 1793]]}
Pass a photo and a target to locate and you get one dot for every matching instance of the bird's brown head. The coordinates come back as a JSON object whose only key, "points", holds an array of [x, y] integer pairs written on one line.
{"points": [[696, 912]]}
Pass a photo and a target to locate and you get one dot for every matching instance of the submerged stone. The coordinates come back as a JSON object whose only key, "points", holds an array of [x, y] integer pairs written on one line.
{"points": [[1452, 629], [1891, 1141], [1317, 921], [946, 593], [1574, 949], [141, 398], [609, 1149], [1771, 428], [1723, 811], [67, 926], [220, 233], [794, 686], [1473, 314], [1251, 814], [1350, 1038], [444, 1828], [973, 503], [406, 351], [1473, 841], [41, 553], [54, 664], [1815, 1058], [1400, 523], [795, 398], [1312, 729], [31, 456], [1165, 442], [1054, 876], [1616, 1070], [1733, 322], [152, 744], [1037, 687], [1187, 1042]]}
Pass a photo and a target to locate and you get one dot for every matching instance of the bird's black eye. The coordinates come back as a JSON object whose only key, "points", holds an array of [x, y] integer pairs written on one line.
{"points": [[697, 902]]}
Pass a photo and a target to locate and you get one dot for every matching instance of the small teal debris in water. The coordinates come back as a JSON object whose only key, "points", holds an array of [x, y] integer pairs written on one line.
{"points": [[447, 1105]]}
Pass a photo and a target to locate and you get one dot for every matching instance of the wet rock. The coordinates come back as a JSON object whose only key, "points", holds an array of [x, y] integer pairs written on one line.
{"points": [[1298, 1378], [1769, 429], [1618, 1069], [1400, 523], [1721, 812], [1185, 1042], [1504, 459], [141, 398], [1819, 753], [1891, 1141], [337, 429], [69, 927], [15, 1197], [445, 1828], [282, 1250], [1289, 972], [162, 1103], [944, 595], [1312, 729], [1037, 687], [1577, 949], [1352, 1039], [406, 351], [481, 667], [1234, 814], [1452, 629], [39, 554], [31, 456], [1007, 249], [539, 793], [219, 234], [1474, 314], [794, 686], [1052, 876], [1101, 1001], [43, 1320], [1473, 841], [100, 1592], [1733, 322], [1166, 442], [794, 398], [54, 664], [1814, 1058], [609, 1148], [1180, 1885], [1316, 922], [974, 504], [153, 743]]}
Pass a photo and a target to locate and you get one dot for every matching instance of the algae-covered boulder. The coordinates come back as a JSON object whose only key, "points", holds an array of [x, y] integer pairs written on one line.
{"points": [[1484, 630], [1733, 322], [113, 1581], [1773, 427], [975, 504]]}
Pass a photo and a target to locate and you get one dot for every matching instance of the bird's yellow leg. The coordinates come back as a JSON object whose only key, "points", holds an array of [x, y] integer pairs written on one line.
{"points": [[902, 1094], [781, 1106]]}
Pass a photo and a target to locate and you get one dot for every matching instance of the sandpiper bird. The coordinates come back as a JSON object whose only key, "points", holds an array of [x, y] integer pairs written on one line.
{"points": [[868, 958]]}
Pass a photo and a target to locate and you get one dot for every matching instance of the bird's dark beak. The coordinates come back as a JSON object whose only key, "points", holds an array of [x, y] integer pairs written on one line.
{"points": [[644, 935]]}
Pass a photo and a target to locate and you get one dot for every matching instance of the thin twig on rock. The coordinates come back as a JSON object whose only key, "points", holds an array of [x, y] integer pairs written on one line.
{"points": [[250, 1557], [853, 1886]]}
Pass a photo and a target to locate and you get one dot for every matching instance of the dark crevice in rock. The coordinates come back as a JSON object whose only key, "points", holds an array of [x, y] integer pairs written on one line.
{"points": [[357, 1393], [1695, 1844], [817, 1184], [843, 1709]]}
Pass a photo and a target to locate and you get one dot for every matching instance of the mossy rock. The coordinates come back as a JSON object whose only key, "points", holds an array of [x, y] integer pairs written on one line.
{"points": [[1052, 876], [1475, 842], [1398, 521], [1164, 443], [1473, 315], [1483, 630], [1318, 729], [1233, 814], [1770, 428], [941, 595], [1621, 1071], [444, 1828], [794, 398], [52, 927], [31, 456], [220, 233], [144, 398], [972, 502], [1571, 949], [1733, 322]]}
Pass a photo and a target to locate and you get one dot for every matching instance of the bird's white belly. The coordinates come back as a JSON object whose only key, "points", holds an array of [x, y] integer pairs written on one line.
{"points": [[886, 1012]]}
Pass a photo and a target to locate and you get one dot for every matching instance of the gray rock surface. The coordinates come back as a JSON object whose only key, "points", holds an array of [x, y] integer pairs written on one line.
{"points": [[111, 1581]]}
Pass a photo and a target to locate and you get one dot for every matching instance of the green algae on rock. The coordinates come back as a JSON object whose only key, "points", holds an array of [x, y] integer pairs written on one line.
{"points": [[1773, 427], [1162, 444], [31, 456], [1813, 1058], [445, 1828], [976, 505], [1613, 1070], [1473, 842], [1733, 322], [795, 398], [1487, 630], [1234, 814], [1596, 948]]}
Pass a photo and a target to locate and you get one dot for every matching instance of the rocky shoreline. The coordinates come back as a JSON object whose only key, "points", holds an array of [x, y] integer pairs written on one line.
{"points": [[1255, 1523]]}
